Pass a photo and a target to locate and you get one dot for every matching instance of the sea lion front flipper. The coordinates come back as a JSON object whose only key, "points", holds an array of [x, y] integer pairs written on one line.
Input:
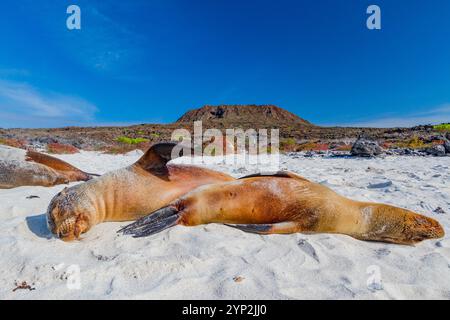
{"points": [[155, 159], [279, 174], [60, 166], [280, 228], [156, 222]]}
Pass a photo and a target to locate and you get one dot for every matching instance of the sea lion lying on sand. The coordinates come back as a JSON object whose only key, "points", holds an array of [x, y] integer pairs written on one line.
{"points": [[287, 203], [29, 168], [126, 194]]}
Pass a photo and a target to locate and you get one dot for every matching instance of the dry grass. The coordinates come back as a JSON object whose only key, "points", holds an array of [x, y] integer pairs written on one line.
{"points": [[344, 147], [59, 148], [313, 146], [16, 143], [414, 143]]}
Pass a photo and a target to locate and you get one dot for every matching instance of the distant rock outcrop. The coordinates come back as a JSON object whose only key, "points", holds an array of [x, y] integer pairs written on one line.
{"points": [[268, 114], [364, 147], [437, 150], [447, 145]]}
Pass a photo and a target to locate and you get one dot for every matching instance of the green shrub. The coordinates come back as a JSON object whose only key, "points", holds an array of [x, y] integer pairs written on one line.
{"points": [[128, 140], [414, 143], [288, 141], [442, 127]]}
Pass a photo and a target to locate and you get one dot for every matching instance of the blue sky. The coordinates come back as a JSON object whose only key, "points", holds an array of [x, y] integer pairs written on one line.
{"points": [[144, 61]]}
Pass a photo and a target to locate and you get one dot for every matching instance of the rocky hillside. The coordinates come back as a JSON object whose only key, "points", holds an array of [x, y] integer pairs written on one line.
{"points": [[236, 114], [296, 134]]}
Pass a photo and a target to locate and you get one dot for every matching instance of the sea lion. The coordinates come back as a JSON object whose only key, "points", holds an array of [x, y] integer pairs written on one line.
{"points": [[29, 168], [288, 203], [126, 194]]}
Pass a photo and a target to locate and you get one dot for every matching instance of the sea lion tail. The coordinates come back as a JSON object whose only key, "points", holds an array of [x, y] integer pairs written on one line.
{"points": [[392, 224], [156, 222]]}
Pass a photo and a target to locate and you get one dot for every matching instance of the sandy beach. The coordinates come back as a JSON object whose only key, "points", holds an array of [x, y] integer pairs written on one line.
{"points": [[218, 262]]}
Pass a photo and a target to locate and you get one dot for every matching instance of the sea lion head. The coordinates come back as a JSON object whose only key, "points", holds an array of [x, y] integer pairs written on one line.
{"points": [[398, 225], [67, 218]]}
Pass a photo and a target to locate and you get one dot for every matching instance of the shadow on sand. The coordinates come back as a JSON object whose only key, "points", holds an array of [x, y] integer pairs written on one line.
{"points": [[38, 225]]}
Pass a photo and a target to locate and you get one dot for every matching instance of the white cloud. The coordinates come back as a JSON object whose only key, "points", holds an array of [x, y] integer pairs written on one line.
{"points": [[434, 115], [22, 105]]}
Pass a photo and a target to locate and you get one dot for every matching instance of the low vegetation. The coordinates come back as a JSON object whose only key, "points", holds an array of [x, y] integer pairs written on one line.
{"points": [[13, 143], [442, 127], [414, 143], [131, 141], [343, 147]]}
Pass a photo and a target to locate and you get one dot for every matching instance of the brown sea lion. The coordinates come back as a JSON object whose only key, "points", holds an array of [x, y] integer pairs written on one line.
{"points": [[288, 203], [126, 194], [29, 168]]}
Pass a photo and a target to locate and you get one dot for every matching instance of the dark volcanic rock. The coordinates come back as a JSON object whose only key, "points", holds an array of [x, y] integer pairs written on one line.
{"points": [[364, 147], [380, 184], [437, 150], [447, 146], [439, 210]]}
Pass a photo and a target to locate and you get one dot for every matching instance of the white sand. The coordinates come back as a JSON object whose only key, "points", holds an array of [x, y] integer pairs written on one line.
{"points": [[201, 262]]}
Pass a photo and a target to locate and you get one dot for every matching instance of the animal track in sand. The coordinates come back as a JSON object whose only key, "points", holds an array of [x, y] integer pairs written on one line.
{"points": [[383, 252], [306, 247]]}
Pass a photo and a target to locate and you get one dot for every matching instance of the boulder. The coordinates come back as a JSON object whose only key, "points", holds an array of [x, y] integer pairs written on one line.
{"points": [[364, 147], [447, 146], [437, 150]]}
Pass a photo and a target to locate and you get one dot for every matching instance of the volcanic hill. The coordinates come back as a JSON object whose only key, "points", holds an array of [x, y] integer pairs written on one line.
{"points": [[241, 114]]}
